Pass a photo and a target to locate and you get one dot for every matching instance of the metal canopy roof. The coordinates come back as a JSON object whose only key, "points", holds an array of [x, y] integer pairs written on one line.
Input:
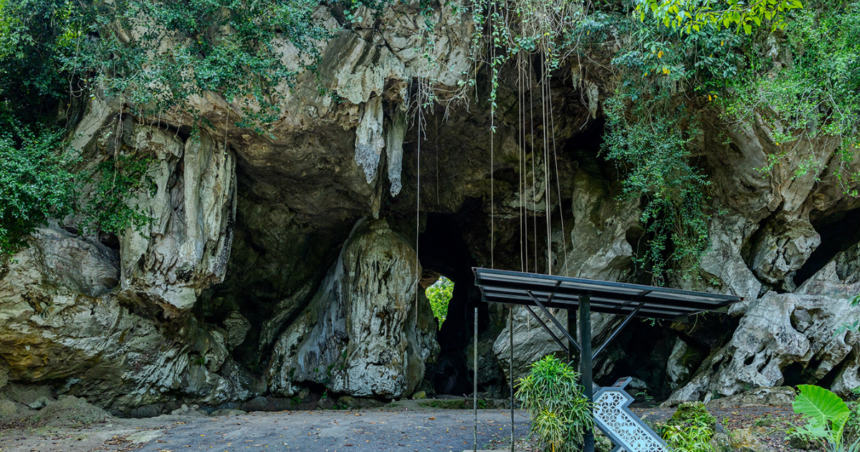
{"points": [[503, 286]]}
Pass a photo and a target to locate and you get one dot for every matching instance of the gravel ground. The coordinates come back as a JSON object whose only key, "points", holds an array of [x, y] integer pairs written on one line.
{"points": [[768, 423], [404, 428]]}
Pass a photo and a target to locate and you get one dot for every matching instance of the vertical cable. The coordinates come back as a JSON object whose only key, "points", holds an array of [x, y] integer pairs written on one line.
{"points": [[558, 186], [546, 173], [418, 206], [511, 370], [534, 156], [475, 380], [492, 136]]}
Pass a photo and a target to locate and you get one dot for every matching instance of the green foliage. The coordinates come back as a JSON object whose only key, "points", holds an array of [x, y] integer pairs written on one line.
{"points": [[650, 128], [35, 183], [695, 15], [826, 416], [693, 414], [114, 183], [155, 56], [559, 411], [688, 439], [690, 428], [440, 294], [807, 87], [852, 425], [653, 150]]}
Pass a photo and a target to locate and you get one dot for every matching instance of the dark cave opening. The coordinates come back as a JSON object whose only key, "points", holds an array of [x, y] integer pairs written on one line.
{"points": [[641, 351], [838, 233], [443, 250]]}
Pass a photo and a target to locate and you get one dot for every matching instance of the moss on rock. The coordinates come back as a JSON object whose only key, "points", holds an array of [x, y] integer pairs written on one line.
{"points": [[693, 413]]}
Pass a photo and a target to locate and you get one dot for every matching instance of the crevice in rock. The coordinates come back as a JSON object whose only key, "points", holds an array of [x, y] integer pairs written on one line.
{"points": [[645, 349], [442, 249], [838, 233]]}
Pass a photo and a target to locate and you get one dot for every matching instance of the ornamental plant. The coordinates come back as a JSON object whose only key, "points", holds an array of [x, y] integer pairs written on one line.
{"points": [[560, 413], [826, 417]]}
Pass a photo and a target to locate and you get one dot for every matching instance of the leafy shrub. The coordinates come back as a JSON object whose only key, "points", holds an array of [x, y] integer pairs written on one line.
{"points": [[693, 414], [440, 294], [688, 439], [559, 411], [35, 183], [690, 428], [826, 416]]}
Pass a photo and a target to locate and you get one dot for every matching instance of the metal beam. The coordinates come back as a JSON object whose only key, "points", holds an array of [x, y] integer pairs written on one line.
{"points": [[617, 330], [554, 337], [585, 365], [673, 316], [654, 297], [554, 321], [593, 287]]}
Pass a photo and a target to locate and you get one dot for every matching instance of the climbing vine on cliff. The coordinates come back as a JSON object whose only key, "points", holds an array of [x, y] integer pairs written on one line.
{"points": [[805, 86], [154, 56]]}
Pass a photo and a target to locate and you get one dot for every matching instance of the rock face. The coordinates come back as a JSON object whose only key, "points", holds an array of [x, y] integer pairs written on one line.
{"points": [[187, 246], [364, 333], [280, 263], [782, 330]]}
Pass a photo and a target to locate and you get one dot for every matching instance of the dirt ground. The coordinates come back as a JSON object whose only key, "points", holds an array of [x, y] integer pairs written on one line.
{"points": [[409, 426]]}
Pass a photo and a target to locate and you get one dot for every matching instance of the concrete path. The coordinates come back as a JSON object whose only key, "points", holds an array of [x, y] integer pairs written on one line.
{"points": [[385, 429]]}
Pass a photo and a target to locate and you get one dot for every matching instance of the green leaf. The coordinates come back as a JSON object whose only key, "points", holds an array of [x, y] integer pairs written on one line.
{"points": [[820, 406]]}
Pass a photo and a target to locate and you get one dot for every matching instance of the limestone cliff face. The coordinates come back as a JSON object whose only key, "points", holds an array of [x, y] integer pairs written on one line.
{"points": [[291, 260]]}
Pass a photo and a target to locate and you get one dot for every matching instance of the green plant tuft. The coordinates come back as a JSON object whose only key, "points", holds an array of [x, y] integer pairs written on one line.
{"points": [[560, 413]]}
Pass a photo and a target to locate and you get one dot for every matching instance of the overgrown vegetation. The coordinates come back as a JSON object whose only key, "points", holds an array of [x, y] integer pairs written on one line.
{"points": [[154, 56], [690, 428], [806, 86], [440, 294], [794, 66], [559, 411], [35, 183]]}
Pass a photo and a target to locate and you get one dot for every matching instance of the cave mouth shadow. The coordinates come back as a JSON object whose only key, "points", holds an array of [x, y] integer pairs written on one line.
{"points": [[838, 232], [442, 249]]}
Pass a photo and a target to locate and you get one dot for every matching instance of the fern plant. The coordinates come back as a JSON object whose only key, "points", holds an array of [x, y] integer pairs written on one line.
{"points": [[560, 413]]}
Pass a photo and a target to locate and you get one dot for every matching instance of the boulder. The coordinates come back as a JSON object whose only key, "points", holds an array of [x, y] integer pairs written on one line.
{"points": [[693, 413], [683, 361], [70, 410], [237, 328], [782, 396], [779, 330], [365, 333], [721, 442], [743, 440], [8, 410]]}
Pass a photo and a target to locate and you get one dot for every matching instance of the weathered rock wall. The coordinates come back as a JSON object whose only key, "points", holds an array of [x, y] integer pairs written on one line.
{"points": [[288, 261]]}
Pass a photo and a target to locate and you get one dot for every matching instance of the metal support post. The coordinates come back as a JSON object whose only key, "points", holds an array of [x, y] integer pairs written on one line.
{"points": [[571, 328], [511, 372], [585, 362]]}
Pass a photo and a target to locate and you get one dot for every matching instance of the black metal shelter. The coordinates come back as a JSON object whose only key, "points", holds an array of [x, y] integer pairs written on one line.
{"points": [[582, 296]]}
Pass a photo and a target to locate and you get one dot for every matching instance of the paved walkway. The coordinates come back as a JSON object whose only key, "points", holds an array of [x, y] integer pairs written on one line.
{"points": [[390, 429]]}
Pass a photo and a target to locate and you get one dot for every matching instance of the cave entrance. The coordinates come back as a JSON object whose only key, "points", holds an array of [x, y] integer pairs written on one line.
{"points": [[444, 251]]}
